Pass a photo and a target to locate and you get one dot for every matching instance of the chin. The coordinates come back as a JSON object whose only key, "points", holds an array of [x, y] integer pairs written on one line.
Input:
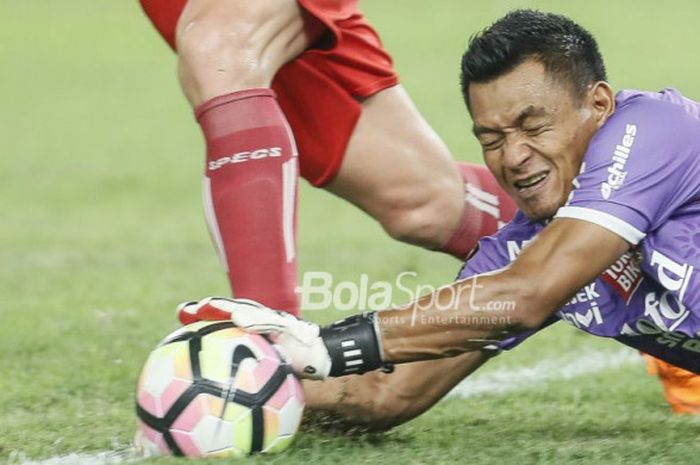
{"points": [[539, 212]]}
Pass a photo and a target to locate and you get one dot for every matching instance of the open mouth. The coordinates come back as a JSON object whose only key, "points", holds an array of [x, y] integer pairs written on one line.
{"points": [[531, 182]]}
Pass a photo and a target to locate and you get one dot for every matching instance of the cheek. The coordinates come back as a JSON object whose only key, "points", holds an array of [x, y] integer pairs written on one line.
{"points": [[494, 166], [575, 150], [560, 151]]}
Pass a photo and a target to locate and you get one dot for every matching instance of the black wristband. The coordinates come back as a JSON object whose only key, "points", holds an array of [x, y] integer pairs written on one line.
{"points": [[353, 345]]}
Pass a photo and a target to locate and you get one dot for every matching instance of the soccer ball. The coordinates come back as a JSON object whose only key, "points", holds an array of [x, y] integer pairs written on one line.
{"points": [[211, 389]]}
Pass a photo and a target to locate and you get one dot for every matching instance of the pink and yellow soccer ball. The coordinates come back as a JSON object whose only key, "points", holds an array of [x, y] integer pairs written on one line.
{"points": [[210, 389]]}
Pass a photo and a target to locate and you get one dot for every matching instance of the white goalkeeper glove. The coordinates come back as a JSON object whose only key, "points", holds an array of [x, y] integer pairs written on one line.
{"points": [[346, 347]]}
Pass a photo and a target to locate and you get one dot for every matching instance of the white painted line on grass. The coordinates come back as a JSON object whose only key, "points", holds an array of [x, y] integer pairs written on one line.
{"points": [[498, 382], [99, 458], [520, 379]]}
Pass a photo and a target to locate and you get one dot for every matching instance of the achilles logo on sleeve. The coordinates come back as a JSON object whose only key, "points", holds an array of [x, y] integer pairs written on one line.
{"points": [[242, 157], [616, 170]]}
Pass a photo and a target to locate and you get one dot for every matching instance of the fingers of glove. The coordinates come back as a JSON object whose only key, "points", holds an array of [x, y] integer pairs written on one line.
{"points": [[258, 319], [243, 312], [209, 312], [208, 309], [187, 313]]}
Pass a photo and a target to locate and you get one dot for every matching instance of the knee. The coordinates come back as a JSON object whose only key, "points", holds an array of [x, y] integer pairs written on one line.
{"points": [[211, 50], [225, 46], [424, 214]]}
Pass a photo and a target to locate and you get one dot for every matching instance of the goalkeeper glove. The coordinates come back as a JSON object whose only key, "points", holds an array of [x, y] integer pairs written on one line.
{"points": [[349, 346]]}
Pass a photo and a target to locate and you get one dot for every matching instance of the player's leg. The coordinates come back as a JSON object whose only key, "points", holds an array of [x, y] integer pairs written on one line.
{"points": [[398, 170], [378, 401], [225, 46], [229, 52]]}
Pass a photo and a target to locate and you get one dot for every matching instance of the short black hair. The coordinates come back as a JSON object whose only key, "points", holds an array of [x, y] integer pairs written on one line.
{"points": [[568, 52]]}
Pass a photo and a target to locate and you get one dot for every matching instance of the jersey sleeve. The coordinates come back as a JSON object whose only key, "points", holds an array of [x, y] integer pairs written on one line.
{"points": [[490, 256], [641, 165]]}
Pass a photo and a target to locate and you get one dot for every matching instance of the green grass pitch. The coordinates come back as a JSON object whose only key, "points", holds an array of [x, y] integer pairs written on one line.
{"points": [[102, 233]]}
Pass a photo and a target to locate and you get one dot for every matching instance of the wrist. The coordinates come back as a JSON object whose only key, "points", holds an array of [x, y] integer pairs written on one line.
{"points": [[354, 345]]}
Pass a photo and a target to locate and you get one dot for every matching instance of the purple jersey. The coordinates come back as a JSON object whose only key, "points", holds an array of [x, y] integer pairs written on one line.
{"points": [[640, 179]]}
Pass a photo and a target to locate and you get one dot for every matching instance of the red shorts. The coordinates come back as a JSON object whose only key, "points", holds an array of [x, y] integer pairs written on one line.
{"points": [[321, 90]]}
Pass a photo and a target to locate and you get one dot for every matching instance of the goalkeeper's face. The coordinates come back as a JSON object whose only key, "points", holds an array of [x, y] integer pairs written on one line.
{"points": [[534, 133]]}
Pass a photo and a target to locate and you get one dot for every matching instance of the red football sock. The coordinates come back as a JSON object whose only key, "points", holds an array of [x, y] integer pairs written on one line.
{"points": [[487, 208], [250, 194]]}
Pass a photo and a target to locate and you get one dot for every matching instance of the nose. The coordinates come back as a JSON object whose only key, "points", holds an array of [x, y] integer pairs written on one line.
{"points": [[516, 153]]}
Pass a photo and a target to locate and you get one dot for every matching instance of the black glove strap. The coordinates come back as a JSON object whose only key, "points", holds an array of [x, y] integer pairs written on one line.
{"points": [[353, 345]]}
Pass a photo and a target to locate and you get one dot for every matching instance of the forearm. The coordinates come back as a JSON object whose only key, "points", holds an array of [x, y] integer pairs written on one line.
{"points": [[462, 317], [378, 401]]}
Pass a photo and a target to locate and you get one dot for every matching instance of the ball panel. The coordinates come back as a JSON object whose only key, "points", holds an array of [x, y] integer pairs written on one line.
{"points": [[149, 403], [281, 397], [193, 413], [215, 405], [245, 381], [264, 371], [186, 443], [172, 393], [235, 411], [243, 431], [210, 359], [264, 348], [151, 442], [160, 367], [212, 434], [279, 444], [218, 350], [290, 417], [271, 419]]}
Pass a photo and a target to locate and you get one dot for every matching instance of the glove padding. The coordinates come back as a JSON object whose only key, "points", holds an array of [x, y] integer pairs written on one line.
{"points": [[297, 340]]}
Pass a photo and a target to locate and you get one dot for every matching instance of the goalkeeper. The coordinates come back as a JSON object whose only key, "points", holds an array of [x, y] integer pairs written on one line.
{"points": [[608, 187]]}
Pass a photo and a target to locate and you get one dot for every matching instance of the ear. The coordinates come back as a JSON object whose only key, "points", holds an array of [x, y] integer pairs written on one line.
{"points": [[602, 102]]}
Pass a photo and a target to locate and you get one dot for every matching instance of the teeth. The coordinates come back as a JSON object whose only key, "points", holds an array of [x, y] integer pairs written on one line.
{"points": [[531, 181]]}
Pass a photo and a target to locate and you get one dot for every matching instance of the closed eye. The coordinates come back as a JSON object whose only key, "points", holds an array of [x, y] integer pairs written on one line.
{"points": [[490, 142], [536, 130]]}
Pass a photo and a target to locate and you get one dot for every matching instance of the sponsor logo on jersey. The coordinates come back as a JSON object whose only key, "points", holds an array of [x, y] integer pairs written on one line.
{"points": [[616, 170], [583, 320], [585, 297], [242, 157], [672, 275], [625, 275], [662, 336], [666, 309]]}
